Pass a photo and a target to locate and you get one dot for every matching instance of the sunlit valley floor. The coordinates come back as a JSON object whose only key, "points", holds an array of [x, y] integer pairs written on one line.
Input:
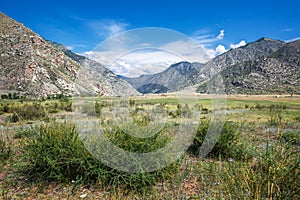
{"points": [[255, 157]]}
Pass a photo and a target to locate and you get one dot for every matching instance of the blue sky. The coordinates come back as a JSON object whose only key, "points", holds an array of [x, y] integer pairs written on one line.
{"points": [[81, 25]]}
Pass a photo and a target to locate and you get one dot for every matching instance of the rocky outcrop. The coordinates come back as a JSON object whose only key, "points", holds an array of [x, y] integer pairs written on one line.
{"points": [[33, 67], [111, 84]]}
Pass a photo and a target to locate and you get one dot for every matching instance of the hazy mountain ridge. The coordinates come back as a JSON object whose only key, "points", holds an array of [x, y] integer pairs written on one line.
{"points": [[173, 78], [34, 67]]}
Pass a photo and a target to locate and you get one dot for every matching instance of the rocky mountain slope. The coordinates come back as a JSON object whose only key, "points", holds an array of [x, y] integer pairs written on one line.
{"points": [[251, 51], [111, 83], [32, 66], [277, 73], [172, 79]]}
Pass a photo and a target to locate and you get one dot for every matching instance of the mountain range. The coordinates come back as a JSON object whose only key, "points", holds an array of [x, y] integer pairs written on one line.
{"points": [[185, 74], [33, 66]]}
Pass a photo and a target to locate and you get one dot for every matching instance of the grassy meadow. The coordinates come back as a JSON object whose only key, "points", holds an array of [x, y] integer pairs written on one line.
{"points": [[256, 156]]}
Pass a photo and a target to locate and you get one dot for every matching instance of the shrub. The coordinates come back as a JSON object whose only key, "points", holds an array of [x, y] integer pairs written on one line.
{"points": [[56, 153], [275, 118], [259, 106], [290, 137], [14, 118], [31, 111], [1, 109], [5, 150], [6, 108], [297, 118], [134, 144], [22, 133], [228, 144]]}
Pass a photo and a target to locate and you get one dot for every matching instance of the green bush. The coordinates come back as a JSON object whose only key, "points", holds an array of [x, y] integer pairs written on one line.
{"points": [[23, 133], [259, 106], [228, 144], [5, 150], [290, 137], [14, 118], [135, 144], [1, 108], [54, 152], [275, 118], [297, 118]]}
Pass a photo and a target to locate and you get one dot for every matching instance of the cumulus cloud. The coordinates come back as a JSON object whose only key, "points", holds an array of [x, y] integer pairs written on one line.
{"points": [[141, 62], [240, 44], [134, 53], [148, 50], [220, 49], [145, 60], [221, 35]]}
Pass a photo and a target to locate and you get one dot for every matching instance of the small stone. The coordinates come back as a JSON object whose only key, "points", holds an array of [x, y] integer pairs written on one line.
{"points": [[83, 196]]}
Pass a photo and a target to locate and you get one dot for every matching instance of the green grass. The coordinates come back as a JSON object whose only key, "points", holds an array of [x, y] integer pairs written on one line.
{"points": [[255, 157], [228, 144], [5, 150], [54, 152]]}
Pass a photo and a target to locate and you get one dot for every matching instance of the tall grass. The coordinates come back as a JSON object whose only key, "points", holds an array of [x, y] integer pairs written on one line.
{"points": [[228, 145], [5, 150], [54, 152], [275, 175]]}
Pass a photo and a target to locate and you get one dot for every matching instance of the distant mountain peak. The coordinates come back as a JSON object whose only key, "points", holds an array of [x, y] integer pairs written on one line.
{"points": [[265, 39]]}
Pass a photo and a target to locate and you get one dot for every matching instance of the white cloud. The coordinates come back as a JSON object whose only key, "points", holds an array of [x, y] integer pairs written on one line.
{"points": [[240, 44], [150, 60], [206, 39], [107, 28], [221, 35], [287, 30], [74, 46], [189, 50], [137, 63], [293, 39], [135, 53], [220, 49], [148, 50], [115, 28]]}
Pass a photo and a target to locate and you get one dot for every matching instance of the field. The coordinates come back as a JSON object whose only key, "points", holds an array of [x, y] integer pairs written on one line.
{"points": [[44, 154]]}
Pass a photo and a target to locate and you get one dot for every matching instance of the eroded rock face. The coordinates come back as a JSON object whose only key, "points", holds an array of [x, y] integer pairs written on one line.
{"points": [[32, 66]]}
